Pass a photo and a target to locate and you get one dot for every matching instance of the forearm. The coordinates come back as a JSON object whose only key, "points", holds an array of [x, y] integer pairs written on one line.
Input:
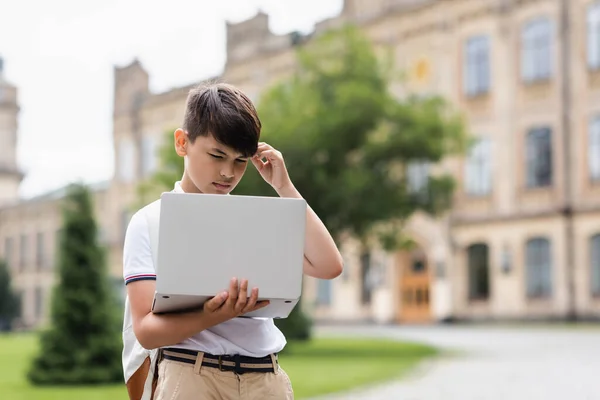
{"points": [[321, 253], [158, 330]]}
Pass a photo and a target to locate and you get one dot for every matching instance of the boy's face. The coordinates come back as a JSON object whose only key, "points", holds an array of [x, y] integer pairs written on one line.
{"points": [[211, 167]]}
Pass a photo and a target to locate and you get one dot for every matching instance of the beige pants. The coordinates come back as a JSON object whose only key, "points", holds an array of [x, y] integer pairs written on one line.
{"points": [[182, 381]]}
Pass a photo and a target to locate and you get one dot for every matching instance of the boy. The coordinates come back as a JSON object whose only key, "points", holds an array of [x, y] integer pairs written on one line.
{"points": [[212, 354]]}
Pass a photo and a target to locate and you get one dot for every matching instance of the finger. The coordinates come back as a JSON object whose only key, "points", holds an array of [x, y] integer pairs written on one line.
{"points": [[233, 292], [211, 305], [265, 146], [270, 155], [258, 163], [251, 300], [243, 296]]}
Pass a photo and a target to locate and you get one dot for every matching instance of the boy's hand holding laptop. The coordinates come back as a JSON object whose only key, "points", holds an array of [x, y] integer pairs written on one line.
{"points": [[233, 303]]}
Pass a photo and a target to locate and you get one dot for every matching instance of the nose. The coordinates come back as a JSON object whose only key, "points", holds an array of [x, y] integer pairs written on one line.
{"points": [[227, 173]]}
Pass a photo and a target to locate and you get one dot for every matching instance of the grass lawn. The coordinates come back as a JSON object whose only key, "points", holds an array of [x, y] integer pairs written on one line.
{"points": [[331, 365], [318, 367]]}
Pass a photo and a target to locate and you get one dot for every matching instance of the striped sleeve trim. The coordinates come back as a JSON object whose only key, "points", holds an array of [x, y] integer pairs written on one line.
{"points": [[140, 277]]}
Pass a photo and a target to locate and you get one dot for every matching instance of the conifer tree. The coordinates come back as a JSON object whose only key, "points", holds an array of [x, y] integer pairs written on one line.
{"points": [[9, 301], [82, 345]]}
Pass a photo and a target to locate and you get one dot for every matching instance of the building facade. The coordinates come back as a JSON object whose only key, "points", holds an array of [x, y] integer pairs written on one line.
{"points": [[522, 240]]}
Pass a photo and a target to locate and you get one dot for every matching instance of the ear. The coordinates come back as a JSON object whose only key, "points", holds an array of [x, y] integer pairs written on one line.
{"points": [[181, 142]]}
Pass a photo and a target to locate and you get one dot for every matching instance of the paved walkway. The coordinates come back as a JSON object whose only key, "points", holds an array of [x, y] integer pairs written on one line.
{"points": [[494, 364]]}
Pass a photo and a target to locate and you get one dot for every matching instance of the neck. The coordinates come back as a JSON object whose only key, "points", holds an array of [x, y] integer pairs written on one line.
{"points": [[187, 185]]}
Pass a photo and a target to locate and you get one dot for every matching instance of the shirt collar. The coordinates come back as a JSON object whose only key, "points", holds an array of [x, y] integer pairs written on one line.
{"points": [[178, 188]]}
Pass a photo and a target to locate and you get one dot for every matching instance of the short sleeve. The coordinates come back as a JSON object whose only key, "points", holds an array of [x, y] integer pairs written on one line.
{"points": [[137, 255]]}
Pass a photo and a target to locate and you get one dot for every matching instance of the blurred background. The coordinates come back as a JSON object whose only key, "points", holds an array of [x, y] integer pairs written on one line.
{"points": [[91, 92]]}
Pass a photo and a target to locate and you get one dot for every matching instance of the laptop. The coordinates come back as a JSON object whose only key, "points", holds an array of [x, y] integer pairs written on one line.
{"points": [[204, 240]]}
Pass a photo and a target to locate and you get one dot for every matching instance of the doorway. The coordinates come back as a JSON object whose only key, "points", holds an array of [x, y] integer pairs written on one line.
{"points": [[414, 287]]}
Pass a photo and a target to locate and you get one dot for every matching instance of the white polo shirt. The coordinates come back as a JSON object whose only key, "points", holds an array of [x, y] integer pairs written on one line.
{"points": [[254, 337]]}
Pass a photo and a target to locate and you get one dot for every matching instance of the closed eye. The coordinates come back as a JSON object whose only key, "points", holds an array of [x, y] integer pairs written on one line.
{"points": [[242, 161], [215, 156]]}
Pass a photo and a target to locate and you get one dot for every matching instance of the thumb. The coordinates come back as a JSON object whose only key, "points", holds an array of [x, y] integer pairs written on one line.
{"points": [[216, 302]]}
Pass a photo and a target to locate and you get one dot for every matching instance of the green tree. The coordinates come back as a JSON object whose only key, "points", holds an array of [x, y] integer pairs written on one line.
{"points": [[9, 300], [83, 343], [348, 141]]}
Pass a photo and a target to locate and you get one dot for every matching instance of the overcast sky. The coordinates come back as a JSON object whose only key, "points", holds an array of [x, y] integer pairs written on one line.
{"points": [[61, 54]]}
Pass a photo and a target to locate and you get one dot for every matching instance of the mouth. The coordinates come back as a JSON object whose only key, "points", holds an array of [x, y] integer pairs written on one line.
{"points": [[222, 186]]}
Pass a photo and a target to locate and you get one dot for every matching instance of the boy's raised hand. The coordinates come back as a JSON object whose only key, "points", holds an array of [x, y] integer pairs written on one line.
{"points": [[228, 305], [273, 169]]}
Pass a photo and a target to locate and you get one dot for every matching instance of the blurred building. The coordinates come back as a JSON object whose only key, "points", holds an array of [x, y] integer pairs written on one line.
{"points": [[523, 239]]}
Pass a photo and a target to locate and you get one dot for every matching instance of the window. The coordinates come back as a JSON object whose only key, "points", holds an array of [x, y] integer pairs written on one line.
{"points": [[365, 267], [418, 177], [23, 252], [539, 158], [39, 254], [476, 71], [594, 149], [24, 302], [478, 169], [20, 293], [57, 240], [536, 50], [126, 160], [595, 264], [538, 268], [478, 271], [8, 252], [149, 156], [324, 292], [593, 36], [39, 300]]}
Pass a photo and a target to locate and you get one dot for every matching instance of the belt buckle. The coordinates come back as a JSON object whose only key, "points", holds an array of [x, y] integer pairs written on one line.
{"points": [[220, 363]]}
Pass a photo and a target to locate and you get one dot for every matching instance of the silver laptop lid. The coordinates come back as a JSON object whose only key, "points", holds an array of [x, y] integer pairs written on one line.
{"points": [[205, 240]]}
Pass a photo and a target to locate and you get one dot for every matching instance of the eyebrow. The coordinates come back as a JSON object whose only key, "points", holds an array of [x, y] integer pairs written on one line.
{"points": [[219, 151], [216, 150]]}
